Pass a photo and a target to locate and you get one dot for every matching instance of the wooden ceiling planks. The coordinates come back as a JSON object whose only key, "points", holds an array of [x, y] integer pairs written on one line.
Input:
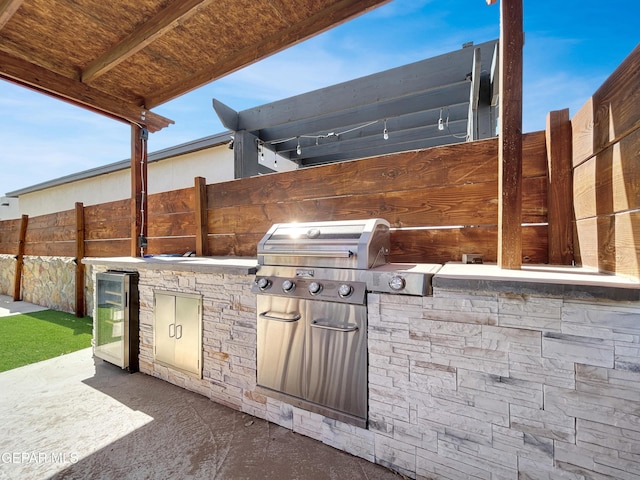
{"points": [[122, 58]]}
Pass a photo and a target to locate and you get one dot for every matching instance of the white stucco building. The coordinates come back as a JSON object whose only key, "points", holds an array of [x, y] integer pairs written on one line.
{"points": [[169, 169]]}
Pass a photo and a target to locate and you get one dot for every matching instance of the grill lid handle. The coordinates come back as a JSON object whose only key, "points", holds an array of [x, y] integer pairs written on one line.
{"points": [[318, 253]]}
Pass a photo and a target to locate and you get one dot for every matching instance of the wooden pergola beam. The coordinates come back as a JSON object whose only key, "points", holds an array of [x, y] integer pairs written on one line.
{"points": [[45, 81], [165, 21], [510, 137], [330, 17], [7, 9]]}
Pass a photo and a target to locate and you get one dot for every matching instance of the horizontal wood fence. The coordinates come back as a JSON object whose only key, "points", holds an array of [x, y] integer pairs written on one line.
{"points": [[441, 203], [606, 161]]}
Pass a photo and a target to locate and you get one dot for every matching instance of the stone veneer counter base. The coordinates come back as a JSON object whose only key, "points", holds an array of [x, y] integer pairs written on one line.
{"points": [[499, 374]]}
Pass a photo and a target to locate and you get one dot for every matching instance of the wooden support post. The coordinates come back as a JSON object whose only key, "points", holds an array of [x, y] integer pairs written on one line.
{"points": [[510, 144], [17, 279], [138, 191], [200, 186], [559, 187], [79, 256]]}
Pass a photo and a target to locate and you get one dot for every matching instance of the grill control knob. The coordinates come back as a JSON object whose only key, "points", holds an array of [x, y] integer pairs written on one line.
{"points": [[288, 286], [263, 283], [345, 290], [397, 283], [315, 288]]}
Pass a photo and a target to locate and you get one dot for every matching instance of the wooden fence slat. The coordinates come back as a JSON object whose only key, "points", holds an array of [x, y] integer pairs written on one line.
{"points": [[611, 113], [176, 224], [119, 227], [108, 248], [174, 201]]}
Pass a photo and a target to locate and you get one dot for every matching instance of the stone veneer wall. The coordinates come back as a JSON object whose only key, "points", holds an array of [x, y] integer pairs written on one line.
{"points": [[505, 386], [49, 282], [462, 384], [89, 285], [7, 274], [229, 336]]}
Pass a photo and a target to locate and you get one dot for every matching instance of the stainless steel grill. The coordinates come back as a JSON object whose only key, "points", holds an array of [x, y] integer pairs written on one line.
{"points": [[312, 289], [357, 244]]}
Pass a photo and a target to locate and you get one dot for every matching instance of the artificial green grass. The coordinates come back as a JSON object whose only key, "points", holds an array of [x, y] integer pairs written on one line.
{"points": [[37, 336]]}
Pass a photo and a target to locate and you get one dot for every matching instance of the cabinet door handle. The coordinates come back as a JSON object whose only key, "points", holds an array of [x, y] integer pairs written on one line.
{"points": [[172, 330], [349, 327], [178, 332]]}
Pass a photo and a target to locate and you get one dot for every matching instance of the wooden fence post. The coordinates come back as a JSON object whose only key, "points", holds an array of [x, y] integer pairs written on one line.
{"points": [[79, 256], [200, 186], [17, 280], [559, 187], [510, 142]]}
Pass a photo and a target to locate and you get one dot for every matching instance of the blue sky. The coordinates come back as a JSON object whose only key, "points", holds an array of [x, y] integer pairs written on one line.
{"points": [[571, 47]]}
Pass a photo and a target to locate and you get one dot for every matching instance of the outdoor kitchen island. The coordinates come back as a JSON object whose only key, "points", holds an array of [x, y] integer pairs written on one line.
{"points": [[495, 374]]}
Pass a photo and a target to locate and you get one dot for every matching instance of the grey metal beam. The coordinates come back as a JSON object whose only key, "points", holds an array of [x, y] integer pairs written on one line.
{"points": [[474, 96], [346, 119], [245, 155], [427, 120], [372, 152], [227, 115], [419, 137], [435, 72]]}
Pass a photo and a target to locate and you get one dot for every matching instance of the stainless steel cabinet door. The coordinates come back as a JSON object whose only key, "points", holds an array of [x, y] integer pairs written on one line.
{"points": [[188, 348], [280, 345], [336, 356], [164, 328], [178, 331]]}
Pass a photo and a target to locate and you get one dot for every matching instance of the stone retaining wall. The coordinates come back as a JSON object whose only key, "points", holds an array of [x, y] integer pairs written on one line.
{"points": [[7, 274], [461, 385], [49, 282]]}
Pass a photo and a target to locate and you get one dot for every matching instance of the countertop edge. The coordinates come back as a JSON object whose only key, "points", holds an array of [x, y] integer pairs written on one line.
{"points": [[236, 266], [546, 280]]}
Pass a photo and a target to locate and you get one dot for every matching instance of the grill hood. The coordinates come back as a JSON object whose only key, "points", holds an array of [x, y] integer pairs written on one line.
{"points": [[354, 244]]}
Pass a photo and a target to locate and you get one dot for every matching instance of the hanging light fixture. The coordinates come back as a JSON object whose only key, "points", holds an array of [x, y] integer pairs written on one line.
{"points": [[440, 123], [299, 148], [385, 132]]}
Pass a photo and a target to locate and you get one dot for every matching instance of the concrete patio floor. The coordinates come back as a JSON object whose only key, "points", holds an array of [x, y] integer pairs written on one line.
{"points": [[78, 417]]}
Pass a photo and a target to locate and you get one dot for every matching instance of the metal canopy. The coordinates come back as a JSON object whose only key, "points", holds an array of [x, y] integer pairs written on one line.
{"points": [[441, 100], [122, 58]]}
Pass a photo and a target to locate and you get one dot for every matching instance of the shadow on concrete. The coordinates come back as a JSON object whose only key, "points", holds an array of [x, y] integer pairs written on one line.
{"points": [[185, 435]]}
